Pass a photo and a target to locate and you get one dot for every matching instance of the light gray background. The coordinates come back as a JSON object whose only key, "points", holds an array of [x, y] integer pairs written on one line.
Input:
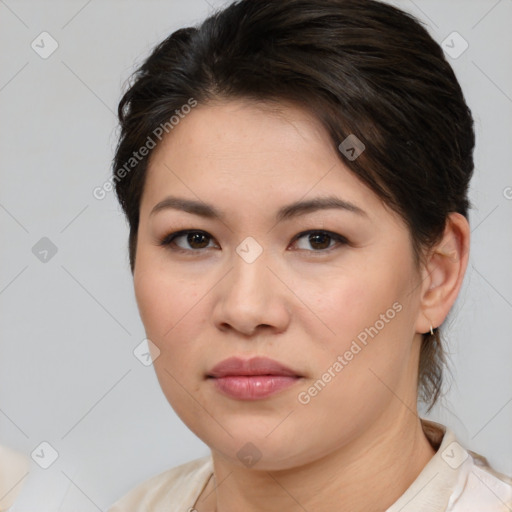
{"points": [[69, 326]]}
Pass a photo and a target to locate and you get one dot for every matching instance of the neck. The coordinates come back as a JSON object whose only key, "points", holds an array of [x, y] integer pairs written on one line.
{"points": [[386, 458]]}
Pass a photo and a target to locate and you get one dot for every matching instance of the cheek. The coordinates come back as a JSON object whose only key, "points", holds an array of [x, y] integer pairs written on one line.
{"points": [[153, 304], [366, 314], [169, 322], [164, 299], [173, 315], [348, 302]]}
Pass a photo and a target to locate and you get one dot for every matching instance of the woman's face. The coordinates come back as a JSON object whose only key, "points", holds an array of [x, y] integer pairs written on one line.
{"points": [[331, 293]]}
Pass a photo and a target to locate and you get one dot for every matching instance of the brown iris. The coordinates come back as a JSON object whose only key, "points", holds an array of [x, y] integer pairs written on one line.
{"points": [[198, 240], [319, 240]]}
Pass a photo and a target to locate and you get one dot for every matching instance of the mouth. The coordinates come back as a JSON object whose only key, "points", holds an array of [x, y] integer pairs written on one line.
{"points": [[252, 379]]}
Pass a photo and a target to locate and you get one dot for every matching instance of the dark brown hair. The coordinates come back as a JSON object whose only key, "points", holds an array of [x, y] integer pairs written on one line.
{"points": [[361, 67]]}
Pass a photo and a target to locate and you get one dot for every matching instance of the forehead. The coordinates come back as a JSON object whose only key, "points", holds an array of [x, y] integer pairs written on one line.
{"points": [[246, 129], [256, 153]]}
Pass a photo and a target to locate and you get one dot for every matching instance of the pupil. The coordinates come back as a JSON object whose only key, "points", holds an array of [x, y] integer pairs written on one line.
{"points": [[319, 240], [195, 239]]}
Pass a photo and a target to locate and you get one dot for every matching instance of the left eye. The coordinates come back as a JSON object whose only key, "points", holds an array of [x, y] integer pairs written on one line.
{"points": [[319, 240]]}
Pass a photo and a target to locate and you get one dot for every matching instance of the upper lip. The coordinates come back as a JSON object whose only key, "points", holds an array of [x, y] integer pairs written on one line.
{"points": [[254, 366]]}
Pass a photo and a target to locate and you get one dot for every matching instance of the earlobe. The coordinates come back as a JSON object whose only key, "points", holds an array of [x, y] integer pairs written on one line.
{"points": [[444, 273]]}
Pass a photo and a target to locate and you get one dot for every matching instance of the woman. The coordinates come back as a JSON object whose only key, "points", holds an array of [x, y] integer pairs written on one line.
{"points": [[295, 178]]}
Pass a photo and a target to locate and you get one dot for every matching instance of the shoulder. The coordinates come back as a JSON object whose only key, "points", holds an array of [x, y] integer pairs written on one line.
{"points": [[482, 488], [14, 467], [177, 487], [455, 479]]}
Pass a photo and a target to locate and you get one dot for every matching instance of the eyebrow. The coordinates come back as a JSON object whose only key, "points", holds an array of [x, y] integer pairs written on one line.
{"points": [[286, 212]]}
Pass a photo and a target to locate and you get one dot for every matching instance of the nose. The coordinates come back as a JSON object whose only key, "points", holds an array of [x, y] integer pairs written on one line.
{"points": [[251, 299]]}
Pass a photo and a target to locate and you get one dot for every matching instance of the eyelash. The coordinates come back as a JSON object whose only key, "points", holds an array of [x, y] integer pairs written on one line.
{"points": [[168, 240]]}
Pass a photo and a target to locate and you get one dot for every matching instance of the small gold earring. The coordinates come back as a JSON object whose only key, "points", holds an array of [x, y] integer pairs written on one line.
{"points": [[431, 330]]}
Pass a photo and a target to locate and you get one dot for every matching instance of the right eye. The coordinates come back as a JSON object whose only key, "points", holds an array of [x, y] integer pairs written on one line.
{"points": [[187, 241]]}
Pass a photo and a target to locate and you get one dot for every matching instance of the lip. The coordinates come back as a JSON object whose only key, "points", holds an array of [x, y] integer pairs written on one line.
{"points": [[254, 366], [252, 379]]}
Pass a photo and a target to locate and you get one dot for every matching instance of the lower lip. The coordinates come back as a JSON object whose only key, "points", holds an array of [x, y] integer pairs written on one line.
{"points": [[253, 387]]}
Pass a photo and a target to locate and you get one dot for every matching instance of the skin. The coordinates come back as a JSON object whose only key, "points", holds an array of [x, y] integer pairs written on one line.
{"points": [[298, 303]]}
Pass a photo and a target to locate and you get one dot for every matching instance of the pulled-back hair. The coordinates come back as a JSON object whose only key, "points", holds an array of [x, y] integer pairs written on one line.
{"points": [[361, 67]]}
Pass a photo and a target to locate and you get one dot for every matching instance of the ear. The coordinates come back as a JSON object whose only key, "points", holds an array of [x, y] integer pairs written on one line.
{"points": [[443, 273]]}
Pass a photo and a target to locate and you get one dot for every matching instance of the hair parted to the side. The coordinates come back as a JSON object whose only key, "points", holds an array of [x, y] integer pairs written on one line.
{"points": [[360, 67]]}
